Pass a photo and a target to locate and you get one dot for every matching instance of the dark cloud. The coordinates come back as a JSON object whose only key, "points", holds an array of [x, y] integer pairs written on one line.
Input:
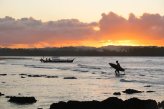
{"points": [[29, 30]]}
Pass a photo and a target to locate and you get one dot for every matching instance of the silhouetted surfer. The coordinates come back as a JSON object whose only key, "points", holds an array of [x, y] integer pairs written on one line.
{"points": [[117, 67], [117, 70]]}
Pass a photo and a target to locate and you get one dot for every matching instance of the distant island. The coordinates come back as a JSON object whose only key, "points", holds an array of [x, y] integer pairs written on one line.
{"points": [[86, 51]]}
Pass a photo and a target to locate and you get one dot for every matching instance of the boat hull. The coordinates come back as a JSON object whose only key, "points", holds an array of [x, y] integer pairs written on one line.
{"points": [[57, 61]]}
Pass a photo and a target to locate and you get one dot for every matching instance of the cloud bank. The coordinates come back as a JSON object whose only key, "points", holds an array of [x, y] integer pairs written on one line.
{"points": [[148, 26], [29, 31]]}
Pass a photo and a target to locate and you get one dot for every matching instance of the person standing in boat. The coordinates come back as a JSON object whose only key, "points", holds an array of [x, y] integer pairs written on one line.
{"points": [[41, 60]]}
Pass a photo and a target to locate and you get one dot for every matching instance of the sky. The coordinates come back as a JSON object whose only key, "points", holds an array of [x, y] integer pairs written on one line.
{"points": [[58, 23]]}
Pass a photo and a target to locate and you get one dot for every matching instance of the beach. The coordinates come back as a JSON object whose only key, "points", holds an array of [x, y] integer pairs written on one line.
{"points": [[86, 79]]}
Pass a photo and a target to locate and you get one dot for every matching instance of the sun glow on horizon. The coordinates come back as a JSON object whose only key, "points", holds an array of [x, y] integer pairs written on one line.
{"points": [[88, 43], [120, 43]]}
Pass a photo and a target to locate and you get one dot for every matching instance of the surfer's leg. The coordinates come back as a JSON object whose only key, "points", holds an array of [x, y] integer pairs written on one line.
{"points": [[116, 72]]}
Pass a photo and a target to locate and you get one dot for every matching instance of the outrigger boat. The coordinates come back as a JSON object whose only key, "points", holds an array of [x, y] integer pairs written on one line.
{"points": [[56, 60]]}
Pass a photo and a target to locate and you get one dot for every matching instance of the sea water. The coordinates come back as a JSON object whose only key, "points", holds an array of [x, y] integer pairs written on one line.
{"points": [[96, 80]]}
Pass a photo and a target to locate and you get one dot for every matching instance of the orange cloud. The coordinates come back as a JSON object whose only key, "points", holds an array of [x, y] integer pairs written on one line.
{"points": [[148, 26], [145, 30], [148, 29]]}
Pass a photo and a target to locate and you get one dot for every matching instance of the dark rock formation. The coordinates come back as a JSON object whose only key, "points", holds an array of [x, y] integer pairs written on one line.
{"points": [[161, 105], [110, 103], [75, 105], [131, 91], [22, 100], [36, 75], [70, 78], [22, 74], [23, 77], [135, 103], [51, 76], [116, 93], [3, 74], [147, 86], [150, 91], [8, 96], [1, 94]]}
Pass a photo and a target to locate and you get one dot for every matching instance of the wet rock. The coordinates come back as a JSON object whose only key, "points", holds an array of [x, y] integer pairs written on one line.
{"points": [[23, 77], [83, 70], [161, 105], [35, 75], [8, 96], [110, 103], [51, 76], [3, 74], [147, 86], [22, 100], [131, 91], [1, 94], [22, 74], [75, 105], [70, 78], [135, 103], [150, 91], [116, 93], [142, 75]]}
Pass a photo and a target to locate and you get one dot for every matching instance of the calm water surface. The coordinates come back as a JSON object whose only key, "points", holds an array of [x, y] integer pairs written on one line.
{"points": [[95, 79]]}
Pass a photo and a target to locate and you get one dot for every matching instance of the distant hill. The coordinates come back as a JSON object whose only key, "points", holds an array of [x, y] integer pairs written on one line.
{"points": [[86, 51]]}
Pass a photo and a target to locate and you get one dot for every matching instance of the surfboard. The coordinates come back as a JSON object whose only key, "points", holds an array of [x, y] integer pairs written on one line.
{"points": [[116, 67]]}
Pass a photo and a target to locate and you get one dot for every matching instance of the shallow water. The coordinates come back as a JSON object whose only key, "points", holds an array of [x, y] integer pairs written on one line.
{"points": [[95, 79]]}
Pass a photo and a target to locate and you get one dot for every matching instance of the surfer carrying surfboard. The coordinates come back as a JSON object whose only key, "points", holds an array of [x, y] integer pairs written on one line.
{"points": [[117, 67], [117, 70]]}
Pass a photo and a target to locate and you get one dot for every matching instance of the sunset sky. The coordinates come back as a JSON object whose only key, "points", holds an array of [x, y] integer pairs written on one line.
{"points": [[58, 23]]}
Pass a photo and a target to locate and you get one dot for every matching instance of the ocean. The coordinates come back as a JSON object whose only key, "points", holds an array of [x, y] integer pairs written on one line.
{"points": [[94, 79]]}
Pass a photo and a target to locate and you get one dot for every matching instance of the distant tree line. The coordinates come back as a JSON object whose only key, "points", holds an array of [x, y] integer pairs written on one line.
{"points": [[86, 51]]}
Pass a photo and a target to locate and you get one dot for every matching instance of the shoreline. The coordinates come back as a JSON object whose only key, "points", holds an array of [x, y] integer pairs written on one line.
{"points": [[109, 103]]}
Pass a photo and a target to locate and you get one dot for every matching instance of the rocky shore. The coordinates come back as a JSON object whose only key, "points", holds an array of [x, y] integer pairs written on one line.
{"points": [[109, 103]]}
